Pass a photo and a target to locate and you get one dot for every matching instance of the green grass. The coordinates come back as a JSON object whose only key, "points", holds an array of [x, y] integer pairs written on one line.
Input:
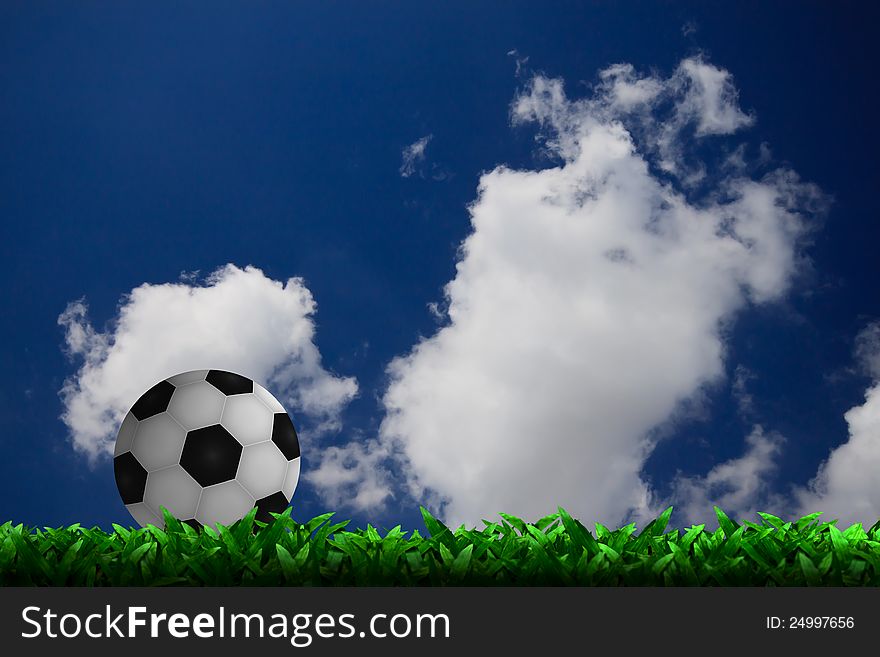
{"points": [[556, 550]]}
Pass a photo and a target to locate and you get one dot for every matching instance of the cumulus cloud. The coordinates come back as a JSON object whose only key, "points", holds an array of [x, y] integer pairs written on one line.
{"points": [[239, 320], [847, 484], [413, 155], [589, 303], [740, 486]]}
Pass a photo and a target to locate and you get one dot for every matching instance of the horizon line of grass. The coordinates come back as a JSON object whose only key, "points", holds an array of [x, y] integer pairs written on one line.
{"points": [[555, 550]]}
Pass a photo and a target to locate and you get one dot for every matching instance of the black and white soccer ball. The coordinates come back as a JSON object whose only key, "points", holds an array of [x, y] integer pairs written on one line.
{"points": [[209, 446]]}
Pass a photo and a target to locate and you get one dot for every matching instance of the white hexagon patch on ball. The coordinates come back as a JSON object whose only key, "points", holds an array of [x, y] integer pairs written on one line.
{"points": [[209, 446]]}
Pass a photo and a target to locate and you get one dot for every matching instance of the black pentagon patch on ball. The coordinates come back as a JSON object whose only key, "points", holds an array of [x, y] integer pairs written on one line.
{"points": [[153, 401], [229, 383], [192, 522], [284, 435], [274, 503], [211, 455], [131, 478]]}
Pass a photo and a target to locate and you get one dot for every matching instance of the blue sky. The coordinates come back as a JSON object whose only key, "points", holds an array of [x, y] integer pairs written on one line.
{"points": [[140, 143]]}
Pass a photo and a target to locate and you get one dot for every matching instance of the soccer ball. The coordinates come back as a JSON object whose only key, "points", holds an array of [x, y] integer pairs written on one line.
{"points": [[209, 446]]}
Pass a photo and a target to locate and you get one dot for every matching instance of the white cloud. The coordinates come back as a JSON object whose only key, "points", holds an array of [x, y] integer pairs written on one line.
{"points": [[698, 100], [626, 90], [704, 103], [739, 486], [239, 320], [847, 484], [353, 475], [588, 304], [710, 98], [413, 155]]}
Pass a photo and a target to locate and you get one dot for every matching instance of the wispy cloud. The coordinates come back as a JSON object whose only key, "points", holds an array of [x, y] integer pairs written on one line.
{"points": [[413, 155], [238, 319], [868, 349], [355, 475], [745, 401]]}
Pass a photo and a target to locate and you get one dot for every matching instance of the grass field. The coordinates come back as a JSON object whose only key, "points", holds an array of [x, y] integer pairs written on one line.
{"points": [[556, 550]]}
